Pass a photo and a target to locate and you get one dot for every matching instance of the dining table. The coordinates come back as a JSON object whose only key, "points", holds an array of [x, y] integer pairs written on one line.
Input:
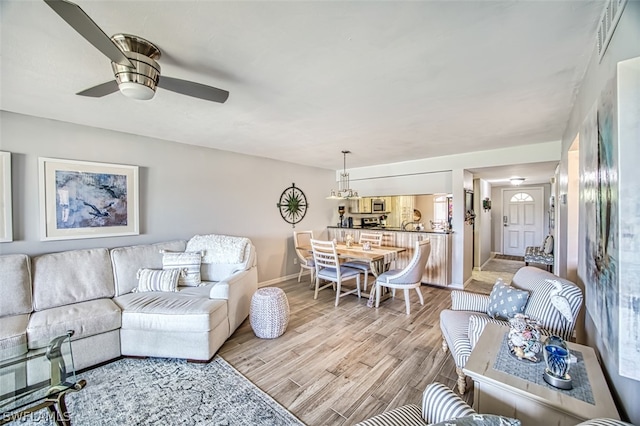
{"points": [[380, 259]]}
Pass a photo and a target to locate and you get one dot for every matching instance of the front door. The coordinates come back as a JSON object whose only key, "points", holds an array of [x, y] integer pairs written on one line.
{"points": [[522, 219]]}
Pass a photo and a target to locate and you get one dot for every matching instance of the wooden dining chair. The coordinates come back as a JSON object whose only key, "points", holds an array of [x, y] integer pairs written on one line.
{"points": [[373, 238], [328, 268], [407, 278], [303, 239]]}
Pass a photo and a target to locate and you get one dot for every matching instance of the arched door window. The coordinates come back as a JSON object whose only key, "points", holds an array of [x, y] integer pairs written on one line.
{"points": [[521, 197]]}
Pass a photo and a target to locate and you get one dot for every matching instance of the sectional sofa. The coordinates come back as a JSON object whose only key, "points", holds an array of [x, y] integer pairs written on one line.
{"points": [[95, 293]]}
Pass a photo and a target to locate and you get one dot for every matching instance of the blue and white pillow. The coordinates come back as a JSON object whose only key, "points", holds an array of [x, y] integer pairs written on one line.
{"points": [[506, 301], [157, 280]]}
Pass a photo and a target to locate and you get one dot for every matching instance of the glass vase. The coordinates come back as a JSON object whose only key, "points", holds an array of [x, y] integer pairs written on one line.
{"points": [[556, 358]]}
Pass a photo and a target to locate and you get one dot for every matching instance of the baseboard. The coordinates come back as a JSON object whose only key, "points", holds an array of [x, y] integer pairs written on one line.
{"points": [[488, 260], [279, 280], [453, 286]]}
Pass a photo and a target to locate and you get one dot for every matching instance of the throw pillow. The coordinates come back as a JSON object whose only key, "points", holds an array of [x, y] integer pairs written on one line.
{"points": [[157, 280], [548, 244], [506, 301], [188, 261], [481, 420]]}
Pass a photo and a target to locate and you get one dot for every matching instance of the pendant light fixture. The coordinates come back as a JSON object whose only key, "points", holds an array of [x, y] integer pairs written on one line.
{"points": [[344, 192]]}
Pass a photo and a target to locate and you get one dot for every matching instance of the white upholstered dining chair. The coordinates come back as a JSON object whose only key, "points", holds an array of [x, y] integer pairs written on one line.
{"points": [[328, 268], [305, 258], [407, 278], [373, 238]]}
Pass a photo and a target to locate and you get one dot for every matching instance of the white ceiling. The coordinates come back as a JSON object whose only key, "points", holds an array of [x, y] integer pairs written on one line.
{"points": [[389, 80]]}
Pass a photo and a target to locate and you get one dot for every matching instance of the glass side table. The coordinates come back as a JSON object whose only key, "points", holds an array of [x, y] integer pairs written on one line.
{"points": [[37, 379]]}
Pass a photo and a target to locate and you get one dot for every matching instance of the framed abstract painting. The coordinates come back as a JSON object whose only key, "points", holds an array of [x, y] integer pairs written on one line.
{"points": [[80, 199]]}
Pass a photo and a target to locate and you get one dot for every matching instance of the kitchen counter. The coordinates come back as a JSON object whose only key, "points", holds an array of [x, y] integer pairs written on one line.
{"points": [[389, 228], [438, 270]]}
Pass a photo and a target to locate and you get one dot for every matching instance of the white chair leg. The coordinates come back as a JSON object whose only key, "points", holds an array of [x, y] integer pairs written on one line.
{"points": [[313, 281], [315, 295], [300, 274], [407, 302], [378, 290], [338, 293], [358, 284], [420, 296], [366, 278]]}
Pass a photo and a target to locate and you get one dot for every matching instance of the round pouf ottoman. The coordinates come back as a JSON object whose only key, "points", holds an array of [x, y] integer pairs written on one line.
{"points": [[269, 312]]}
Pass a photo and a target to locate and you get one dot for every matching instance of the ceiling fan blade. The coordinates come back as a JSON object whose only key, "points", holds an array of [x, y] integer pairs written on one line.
{"points": [[195, 90], [84, 25], [100, 90]]}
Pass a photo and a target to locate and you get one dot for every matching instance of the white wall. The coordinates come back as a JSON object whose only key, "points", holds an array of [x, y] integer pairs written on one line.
{"points": [[420, 183], [424, 203], [184, 190], [624, 45], [484, 222]]}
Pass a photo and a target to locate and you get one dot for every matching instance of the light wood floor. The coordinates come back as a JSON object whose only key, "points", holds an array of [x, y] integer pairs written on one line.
{"points": [[338, 366]]}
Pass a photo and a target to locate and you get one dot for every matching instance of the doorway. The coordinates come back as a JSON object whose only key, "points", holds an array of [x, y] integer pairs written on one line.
{"points": [[522, 219]]}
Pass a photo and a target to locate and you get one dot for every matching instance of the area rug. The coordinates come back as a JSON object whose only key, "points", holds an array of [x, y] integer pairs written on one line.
{"points": [[170, 392]]}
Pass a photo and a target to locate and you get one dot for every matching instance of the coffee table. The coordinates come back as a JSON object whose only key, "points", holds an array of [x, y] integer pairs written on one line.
{"points": [[512, 393], [37, 379]]}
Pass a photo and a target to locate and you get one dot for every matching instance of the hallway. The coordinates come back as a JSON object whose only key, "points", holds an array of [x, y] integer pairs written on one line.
{"points": [[483, 281]]}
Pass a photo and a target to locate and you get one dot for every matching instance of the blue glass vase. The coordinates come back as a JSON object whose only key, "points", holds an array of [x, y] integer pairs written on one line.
{"points": [[556, 357]]}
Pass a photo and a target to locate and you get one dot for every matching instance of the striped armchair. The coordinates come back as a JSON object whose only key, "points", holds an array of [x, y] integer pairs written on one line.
{"points": [[439, 403], [463, 324], [441, 406]]}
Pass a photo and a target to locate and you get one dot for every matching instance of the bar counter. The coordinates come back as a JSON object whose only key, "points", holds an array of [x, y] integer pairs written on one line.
{"points": [[438, 268]]}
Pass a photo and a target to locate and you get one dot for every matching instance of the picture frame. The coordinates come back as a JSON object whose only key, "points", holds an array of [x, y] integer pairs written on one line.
{"points": [[6, 207], [81, 199]]}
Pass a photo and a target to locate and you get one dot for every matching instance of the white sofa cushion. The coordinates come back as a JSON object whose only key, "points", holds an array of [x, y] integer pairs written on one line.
{"points": [[171, 312], [15, 270], [85, 318], [127, 260], [70, 277], [13, 335]]}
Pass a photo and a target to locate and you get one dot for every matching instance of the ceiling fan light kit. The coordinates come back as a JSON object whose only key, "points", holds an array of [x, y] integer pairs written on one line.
{"points": [[139, 82]]}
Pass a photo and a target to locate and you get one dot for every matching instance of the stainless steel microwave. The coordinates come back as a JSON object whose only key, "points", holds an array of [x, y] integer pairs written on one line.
{"points": [[378, 206]]}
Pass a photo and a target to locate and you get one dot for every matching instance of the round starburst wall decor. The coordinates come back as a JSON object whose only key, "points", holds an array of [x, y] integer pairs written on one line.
{"points": [[292, 205]]}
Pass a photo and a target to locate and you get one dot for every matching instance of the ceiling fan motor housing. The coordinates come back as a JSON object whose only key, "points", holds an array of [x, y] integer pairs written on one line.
{"points": [[141, 82]]}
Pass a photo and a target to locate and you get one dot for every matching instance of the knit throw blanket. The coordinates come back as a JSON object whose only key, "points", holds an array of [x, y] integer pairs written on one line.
{"points": [[219, 248]]}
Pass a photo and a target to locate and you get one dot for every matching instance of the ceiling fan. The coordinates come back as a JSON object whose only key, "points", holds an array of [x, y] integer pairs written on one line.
{"points": [[133, 60]]}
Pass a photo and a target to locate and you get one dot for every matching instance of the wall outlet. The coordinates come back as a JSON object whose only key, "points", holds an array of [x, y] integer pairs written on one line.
{"points": [[295, 260]]}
